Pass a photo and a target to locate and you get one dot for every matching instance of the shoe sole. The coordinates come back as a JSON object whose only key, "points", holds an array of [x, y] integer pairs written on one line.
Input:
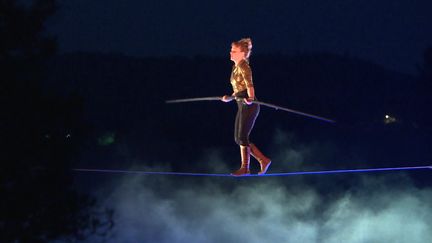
{"points": [[265, 169], [241, 175]]}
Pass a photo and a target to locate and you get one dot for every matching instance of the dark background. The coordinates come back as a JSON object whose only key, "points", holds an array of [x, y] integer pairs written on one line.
{"points": [[84, 85]]}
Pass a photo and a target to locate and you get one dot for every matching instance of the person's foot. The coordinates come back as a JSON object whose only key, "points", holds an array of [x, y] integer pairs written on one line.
{"points": [[241, 172], [265, 164], [262, 159]]}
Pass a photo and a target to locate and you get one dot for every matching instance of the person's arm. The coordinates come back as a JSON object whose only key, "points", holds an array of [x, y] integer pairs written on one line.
{"points": [[251, 94], [247, 76]]}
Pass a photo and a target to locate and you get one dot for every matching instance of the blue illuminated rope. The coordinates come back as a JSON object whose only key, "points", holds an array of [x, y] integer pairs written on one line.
{"points": [[254, 175]]}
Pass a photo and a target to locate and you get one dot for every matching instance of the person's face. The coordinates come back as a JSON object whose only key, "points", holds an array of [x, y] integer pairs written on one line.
{"points": [[236, 54]]}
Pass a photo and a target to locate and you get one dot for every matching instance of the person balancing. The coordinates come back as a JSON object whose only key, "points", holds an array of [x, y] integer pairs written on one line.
{"points": [[244, 93], [248, 107]]}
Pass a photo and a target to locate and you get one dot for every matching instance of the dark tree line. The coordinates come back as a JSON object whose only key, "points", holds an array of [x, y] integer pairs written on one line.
{"points": [[40, 134]]}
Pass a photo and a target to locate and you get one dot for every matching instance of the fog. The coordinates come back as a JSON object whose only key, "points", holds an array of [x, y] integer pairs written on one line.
{"points": [[378, 207]]}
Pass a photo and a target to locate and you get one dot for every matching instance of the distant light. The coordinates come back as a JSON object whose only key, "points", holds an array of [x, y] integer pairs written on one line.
{"points": [[389, 119], [68, 135]]}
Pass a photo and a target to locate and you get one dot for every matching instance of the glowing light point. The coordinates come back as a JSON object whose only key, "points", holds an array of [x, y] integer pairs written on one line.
{"points": [[389, 119]]}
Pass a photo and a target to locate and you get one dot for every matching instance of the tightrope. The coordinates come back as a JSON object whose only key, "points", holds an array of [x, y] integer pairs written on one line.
{"points": [[256, 175]]}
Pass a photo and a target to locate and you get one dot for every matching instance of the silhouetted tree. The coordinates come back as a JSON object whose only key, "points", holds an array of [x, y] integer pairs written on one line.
{"points": [[39, 136]]}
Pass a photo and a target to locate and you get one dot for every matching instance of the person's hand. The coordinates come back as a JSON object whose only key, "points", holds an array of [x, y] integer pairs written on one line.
{"points": [[226, 98], [247, 101]]}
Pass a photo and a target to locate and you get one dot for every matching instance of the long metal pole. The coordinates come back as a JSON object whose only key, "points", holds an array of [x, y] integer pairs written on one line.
{"points": [[254, 102]]}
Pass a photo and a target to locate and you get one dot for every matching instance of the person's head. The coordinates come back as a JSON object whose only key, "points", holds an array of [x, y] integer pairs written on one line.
{"points": [[241, 50]]}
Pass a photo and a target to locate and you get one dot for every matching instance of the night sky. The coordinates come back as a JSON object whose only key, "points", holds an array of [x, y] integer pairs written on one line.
{"points": [[352, 61], [392, 33]]}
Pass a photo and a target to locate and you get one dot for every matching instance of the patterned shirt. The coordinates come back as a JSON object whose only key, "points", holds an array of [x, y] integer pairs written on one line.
{"points": [[241, 76]]}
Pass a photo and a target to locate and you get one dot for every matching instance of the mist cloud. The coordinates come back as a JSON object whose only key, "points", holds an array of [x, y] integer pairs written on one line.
{"points": [[334, 208], [265, 210]]}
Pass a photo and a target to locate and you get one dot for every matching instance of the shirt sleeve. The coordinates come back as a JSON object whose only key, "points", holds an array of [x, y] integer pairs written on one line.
{"points": [[247, 75]]}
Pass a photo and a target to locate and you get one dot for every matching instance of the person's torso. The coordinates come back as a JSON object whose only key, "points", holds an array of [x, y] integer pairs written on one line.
{"points": [[241, 77]]}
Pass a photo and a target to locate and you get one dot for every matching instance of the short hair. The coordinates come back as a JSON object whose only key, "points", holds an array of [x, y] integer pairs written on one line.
{"points": [[245, 46]]}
